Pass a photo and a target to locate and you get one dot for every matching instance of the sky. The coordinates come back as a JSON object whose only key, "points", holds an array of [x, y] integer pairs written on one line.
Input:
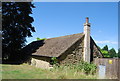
{"points": [[75, 0], [54, 19]]}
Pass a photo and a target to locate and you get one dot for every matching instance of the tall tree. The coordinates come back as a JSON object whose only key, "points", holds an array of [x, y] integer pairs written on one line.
{"points": [[105, 48], [16, 26], [112, 53], [104, 51], [119, 52]]}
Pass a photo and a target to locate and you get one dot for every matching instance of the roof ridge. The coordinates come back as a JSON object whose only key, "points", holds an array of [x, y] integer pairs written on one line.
{"points": [[63, 36]]}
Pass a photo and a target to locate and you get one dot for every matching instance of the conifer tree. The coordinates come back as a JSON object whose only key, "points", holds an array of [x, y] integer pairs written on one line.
{"points": [[16, 26]]}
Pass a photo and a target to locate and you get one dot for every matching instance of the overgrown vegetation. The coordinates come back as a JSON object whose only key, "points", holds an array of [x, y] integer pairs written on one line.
{"points": [[31, 72], [87, 68], [82, 66], [54, 61]]}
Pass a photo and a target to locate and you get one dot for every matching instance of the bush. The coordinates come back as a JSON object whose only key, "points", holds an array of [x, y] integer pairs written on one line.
{"points": [[54, 61], [89, 68], [84, 67]]}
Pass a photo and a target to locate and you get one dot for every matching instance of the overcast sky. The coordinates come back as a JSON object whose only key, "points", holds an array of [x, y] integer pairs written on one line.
{"points": [[54, 19]]}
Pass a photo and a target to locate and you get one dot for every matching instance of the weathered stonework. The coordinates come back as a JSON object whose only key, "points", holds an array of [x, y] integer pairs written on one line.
{"points": [[96, 53], [40, 62], [73, 55]]}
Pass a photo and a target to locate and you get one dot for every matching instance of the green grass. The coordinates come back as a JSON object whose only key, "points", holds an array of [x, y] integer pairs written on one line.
{"points": [[30, 72]]}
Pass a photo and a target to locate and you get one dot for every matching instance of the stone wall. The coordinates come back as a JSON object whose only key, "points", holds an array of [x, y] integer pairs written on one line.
{"points": [[41, 62], [95, 51], [73, 55]]}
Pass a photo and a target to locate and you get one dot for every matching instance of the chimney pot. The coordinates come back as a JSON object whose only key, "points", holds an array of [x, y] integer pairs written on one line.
{"points": [[87, 20]]}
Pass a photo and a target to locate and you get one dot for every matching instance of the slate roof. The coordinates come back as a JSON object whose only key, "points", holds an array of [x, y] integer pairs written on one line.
{"points": [[53, 47]]}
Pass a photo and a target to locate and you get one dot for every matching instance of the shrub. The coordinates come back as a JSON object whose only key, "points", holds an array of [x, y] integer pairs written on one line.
{"points": [[84, 66], [54, 61], [89, 68]]}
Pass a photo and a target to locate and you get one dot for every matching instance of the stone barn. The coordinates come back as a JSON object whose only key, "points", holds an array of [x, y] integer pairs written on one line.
{"points": [[66, 49]]}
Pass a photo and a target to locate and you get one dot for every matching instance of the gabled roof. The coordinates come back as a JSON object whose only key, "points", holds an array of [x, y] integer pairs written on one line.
{"points": [[53, 47]]}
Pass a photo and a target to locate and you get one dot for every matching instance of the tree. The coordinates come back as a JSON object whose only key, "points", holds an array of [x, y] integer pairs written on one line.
{"points": [[105, 53], [40, 38], [109, 53], [16, 26], [105, 48], [119, 52], [112, 53]]}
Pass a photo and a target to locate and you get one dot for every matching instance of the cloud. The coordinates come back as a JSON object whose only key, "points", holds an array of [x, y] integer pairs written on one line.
{"points": [[106, 42]]}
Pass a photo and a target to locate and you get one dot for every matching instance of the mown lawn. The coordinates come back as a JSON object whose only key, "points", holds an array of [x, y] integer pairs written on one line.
{"points": [[30, 72]]}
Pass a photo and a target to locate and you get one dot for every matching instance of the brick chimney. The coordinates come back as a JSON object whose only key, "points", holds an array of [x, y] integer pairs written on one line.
{"points": [[86, 55]]}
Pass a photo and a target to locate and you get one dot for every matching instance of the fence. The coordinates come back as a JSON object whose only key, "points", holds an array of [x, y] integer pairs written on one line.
{"points": [[108, 68]]}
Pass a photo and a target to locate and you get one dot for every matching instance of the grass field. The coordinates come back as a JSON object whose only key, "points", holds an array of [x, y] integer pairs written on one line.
{"points": [[30, 72]]}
